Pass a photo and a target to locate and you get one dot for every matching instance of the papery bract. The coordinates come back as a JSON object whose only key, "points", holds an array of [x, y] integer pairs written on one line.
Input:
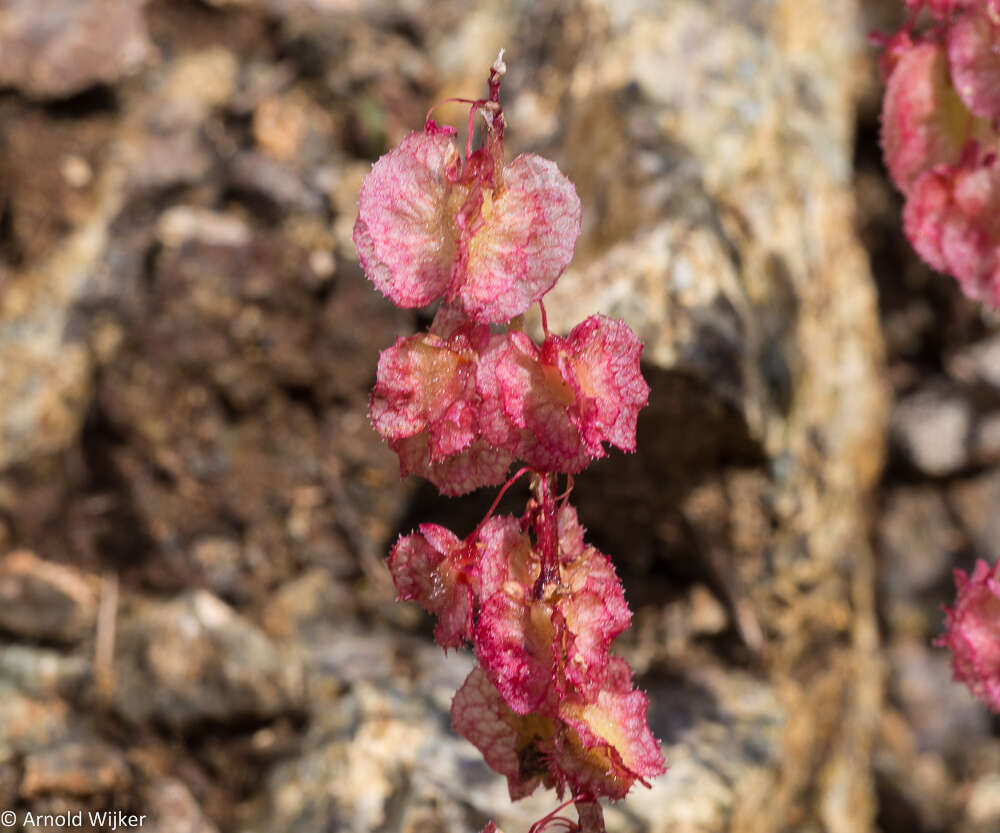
{"points": [[590, 748], [974, 56], [615, 746], [430, 227], [404, 234], [952, 218], [441, 572], [600, 361], [568, 397], [592, 606], [512, 744], [924, 123], [530, 639], [425, 405], [973, 632], [525, 239]]}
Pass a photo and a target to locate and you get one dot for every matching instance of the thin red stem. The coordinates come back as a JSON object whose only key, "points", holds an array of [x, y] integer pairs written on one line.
{"points": [[545, 318], [500, 494], [538, 825], [472, 128], [427, 118], [591, 816], [564, 497]]}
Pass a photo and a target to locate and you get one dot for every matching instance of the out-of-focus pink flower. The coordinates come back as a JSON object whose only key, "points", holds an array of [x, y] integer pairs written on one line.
{"points": [[952, 218], [974, 55], [973, 632], [430, 226], [924, 123], [941, 139]]}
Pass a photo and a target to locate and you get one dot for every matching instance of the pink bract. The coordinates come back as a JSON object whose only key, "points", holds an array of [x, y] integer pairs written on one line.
{"points": [[612, 729], [566, 398], [924, 123], [593, 608], [404, 239], [440, 572], [952, 218], [429, 227], [512, 745], [533, 639], [974, 54], [973, 632], [594, 749], [600, 361], [425, 405]]}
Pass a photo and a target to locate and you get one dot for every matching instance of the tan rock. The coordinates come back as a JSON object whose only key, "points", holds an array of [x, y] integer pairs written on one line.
{"points": [[78, 768], [43, 600], [55, 48]]}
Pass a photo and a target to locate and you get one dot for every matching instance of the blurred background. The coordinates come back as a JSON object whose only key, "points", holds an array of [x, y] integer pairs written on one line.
{"points": [[195, 623]]}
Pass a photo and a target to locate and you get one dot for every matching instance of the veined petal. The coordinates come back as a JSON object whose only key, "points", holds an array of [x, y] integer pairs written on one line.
{"points": [[511, 744], [524, 242], [514, 641], [974, 56], [924, 122], [405, 232]]}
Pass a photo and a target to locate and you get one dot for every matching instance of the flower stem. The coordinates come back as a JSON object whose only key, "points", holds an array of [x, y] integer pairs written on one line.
{"points": [[547, 533], [496, 502], [591, 816]]}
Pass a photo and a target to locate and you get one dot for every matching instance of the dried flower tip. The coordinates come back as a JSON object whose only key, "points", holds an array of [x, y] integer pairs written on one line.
{"points": [[499, 68]]}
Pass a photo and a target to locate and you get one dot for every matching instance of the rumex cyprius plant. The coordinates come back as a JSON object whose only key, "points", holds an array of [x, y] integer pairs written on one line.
{"points": [[548, 704], [941, 136]]}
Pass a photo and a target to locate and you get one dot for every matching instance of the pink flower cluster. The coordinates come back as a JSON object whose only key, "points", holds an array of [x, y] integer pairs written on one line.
{"points": [[548, 703], [941, 137], [973, 632], [459, 405]]}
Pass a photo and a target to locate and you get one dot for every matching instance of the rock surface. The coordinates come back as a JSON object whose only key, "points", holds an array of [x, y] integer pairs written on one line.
{"points": [[55, 48], [41, 600], [194, 660]]}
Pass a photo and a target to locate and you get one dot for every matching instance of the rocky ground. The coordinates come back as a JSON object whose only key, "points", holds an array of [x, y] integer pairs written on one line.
{"points": [[195, 622]]}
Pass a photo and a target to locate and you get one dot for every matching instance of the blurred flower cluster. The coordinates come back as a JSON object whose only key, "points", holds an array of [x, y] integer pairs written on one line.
{"points": [[941, 136]]}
